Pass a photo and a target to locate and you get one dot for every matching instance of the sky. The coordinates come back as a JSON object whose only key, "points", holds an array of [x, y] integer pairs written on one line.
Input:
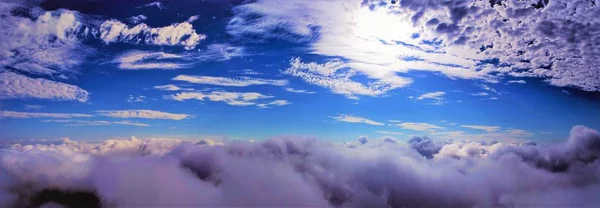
{"points": [[334, 70]]}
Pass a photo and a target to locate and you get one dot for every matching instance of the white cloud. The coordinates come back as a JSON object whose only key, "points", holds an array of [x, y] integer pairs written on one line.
{"points": [[178, 34], [518, 133], [171, 87], [480, 94], [136, 99], [422, 172], [46, 43], [356, 119], [231, 98], [230, 82], [418, 126], [484, 128], [378, 38], [149, 114], [14, 114], [517, 81], [389, 132], [275, 102], [335, 75], [71, 122], [438, 95], [140, 60], [15, 86], [289, 89]]}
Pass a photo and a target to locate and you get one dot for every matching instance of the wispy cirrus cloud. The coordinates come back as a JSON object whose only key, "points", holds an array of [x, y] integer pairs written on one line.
{"points": [[147, 114], [357, 119], [16, 86], [230, 82], [418, 126], [171, 87], [438, 95], [389, 132], [335, 76], [71, 122], [289, 89], [480, 127], [15, 114], [230, 98]]}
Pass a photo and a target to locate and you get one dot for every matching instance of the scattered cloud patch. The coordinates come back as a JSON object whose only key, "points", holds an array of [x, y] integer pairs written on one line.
{"points": [[34, 107], [335, 76], [15, 114], [484, 128], [418, 126], [289, 89], [438, 95], [389, 132], [142, 60], [148, 114], [16, 86], [136, 99], [480, 94], [517, 81], [357, 119], [171, 87], [230, 98], [230, 82], [178, 34], [71, 122]]}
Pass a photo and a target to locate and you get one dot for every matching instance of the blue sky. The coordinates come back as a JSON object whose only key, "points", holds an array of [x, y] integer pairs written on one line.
{"points": [[231, 70]]}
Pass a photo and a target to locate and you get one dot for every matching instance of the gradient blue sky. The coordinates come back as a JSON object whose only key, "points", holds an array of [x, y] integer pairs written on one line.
{"points": [[272, 68]]}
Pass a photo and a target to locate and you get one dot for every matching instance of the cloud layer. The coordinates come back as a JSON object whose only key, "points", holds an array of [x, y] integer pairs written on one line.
{"points": [[366, 173]]}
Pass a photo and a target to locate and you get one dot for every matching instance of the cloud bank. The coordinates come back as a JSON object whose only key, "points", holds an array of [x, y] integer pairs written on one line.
{"points": [[366, 173]]}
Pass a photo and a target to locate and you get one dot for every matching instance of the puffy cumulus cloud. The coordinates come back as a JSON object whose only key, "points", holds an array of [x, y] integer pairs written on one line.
{"points": [[230, 98], [15, 114], [357, 119], [485, 40], [149, 114], [230, 82], [418, 126], [40, 42], [178, 34], [379, 173], [16, 86], [335, 76]]}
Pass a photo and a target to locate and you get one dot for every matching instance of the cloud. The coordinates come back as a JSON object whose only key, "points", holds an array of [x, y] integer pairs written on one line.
{"points": [[389, 132], [231, 98], [136, 99], [34, 107], [15, 114], [484, 128], [432, 95], [171, 87], [517, 81], [230, 82], [140, 60], [178, 34], [70, 122], [275, 102], [470, 40], [37, 42], [418, 126], [149, 114], [15, 86], [480, 94], [289, 89], [356, 119], [373, 173], [335, 76]]}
